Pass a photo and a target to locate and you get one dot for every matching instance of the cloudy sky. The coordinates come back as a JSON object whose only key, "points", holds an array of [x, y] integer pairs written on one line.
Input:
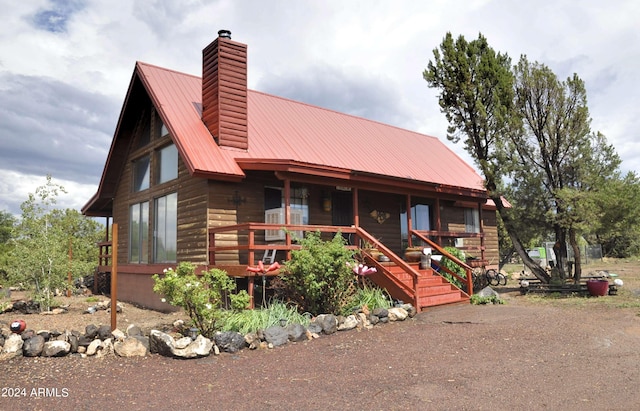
{"points": [[65, 66]]}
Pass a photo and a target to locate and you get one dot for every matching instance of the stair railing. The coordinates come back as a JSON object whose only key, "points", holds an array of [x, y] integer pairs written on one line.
{"points": [[383, 277], [468, 280]]}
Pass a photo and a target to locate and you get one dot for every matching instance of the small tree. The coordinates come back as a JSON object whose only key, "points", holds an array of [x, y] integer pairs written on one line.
{"points": [[317, 276], [202, 297], [39, 258]]}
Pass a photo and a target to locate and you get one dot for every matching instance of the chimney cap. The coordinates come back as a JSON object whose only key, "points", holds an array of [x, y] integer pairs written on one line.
{"points": [[225, 34]]}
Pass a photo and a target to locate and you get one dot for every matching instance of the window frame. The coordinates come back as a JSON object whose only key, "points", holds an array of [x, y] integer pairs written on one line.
{"points": [[139, 237], [165, 228]]}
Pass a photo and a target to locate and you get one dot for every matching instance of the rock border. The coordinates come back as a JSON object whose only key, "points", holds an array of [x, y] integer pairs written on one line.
{"points": [[100, 341]]}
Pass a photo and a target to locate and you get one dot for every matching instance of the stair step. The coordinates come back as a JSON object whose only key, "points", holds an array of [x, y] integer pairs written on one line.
{"points": [[425, 291], [448, 298]]}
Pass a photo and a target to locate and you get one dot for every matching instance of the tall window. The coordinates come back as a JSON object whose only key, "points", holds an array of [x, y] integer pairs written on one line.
{"points": [[141, 172], [167, 164], [139, 233], [165, 241], [472, 220]]}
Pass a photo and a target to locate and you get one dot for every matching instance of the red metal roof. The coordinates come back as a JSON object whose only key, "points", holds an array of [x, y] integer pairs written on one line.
{"points": [[286, 130]]}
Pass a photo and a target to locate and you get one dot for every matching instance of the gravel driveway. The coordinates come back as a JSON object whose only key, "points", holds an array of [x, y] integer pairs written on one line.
{"points": [[500, 357]]}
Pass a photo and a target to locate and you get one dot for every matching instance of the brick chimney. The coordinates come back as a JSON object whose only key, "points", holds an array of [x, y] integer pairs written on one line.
{"points": [[224, 91]]}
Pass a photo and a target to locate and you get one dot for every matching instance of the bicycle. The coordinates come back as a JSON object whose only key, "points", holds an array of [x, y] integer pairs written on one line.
{"points": [[482, 277]]}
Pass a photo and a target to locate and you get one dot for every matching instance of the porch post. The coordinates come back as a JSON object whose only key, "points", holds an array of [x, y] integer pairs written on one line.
{"points": [[438, 222], [356, 214], [287, 213], [482, 250], [409, 222]]}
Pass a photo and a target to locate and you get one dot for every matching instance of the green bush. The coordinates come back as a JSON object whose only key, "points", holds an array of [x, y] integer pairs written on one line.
{"points": [[450, 265], [317, 277], [202, 297]]}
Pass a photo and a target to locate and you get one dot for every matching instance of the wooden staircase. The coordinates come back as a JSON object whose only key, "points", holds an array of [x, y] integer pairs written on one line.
{"points": [[431, 288], [407, 282]]}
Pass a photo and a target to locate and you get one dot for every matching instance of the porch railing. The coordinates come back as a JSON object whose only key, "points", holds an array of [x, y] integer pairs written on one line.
{"points": [[468, 280], [104, 254], [251, 247]]}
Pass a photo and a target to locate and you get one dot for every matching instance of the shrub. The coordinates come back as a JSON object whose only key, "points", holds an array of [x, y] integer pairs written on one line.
{"points": [[203, 298], [317, 277], [450, 265]]}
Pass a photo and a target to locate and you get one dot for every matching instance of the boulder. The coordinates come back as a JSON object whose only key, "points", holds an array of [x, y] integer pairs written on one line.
{"points": [[90, 331], [380, 312], [13, 345], [93, 347], [130, 347], [229, 341], [104, 332], [106, 348], [296, 332], [200, 347], [329, 323], [315, 327], [118, 335], [276, 335], [348, 323], [397, 314], [182, 343], [133, 330], [34, 346], [161, 343], [56, 348]]}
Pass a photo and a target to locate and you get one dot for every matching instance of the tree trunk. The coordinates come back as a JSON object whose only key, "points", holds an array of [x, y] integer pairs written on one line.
{"points": [[560, 250], [539, 272], [576, 256]]}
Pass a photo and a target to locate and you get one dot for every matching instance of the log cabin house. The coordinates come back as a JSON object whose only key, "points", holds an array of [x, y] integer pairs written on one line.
{"points": [[207, 171]]}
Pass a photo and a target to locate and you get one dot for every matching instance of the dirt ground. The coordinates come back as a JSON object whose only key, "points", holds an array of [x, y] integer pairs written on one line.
{"points": [[530, 353]]}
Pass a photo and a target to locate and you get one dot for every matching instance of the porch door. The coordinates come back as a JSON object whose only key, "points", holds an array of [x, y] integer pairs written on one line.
{"points": [[342, 211]]}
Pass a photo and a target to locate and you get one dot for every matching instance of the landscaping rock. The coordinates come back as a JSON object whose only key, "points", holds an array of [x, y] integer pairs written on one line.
{"points": [[182, 343], [348, 323], [296, 332], [161, 343], [397, 314], [130, 347], [201, 347], [90, 331], [93, 347], [104, 332], [56, 349], [118, 335], [252, 340], [229, 341], [13, 346], [133, 330], [33, 346], [380, 312], [329, 323], [276, 336], [315, 327], [106, 348]]}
